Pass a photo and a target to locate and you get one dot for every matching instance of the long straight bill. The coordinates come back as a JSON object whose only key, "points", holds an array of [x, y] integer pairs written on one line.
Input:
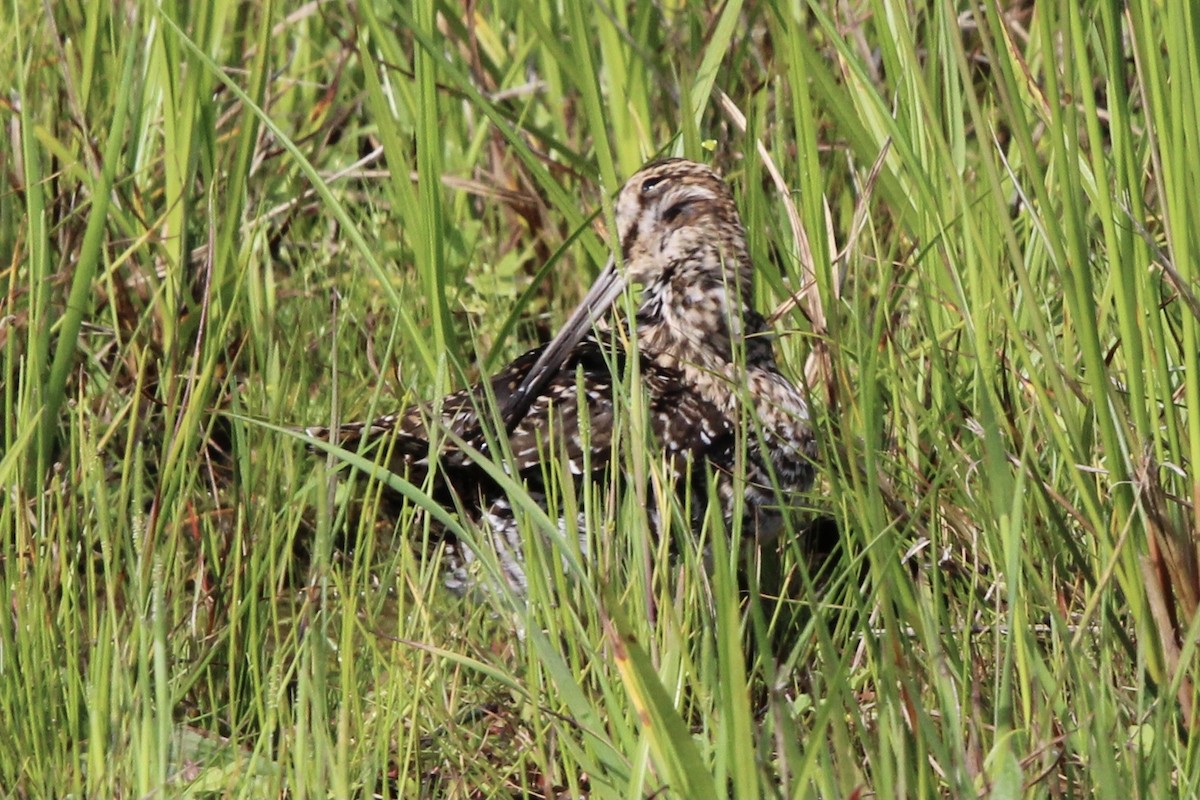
{"points": [[607, 288]]}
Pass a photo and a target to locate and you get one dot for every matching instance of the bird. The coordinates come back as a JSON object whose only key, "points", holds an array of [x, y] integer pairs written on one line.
{"points": [[717, 405]]}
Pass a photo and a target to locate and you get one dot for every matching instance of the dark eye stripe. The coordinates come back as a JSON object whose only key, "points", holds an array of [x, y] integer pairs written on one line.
{"points": [[672, 213], [627, 242]]}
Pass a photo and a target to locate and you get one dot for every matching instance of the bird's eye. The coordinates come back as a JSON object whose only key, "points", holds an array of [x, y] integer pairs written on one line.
{"points": [[649, 184]]}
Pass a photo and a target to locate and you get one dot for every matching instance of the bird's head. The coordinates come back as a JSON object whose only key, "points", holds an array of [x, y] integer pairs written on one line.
{"points": [[675, 212]]}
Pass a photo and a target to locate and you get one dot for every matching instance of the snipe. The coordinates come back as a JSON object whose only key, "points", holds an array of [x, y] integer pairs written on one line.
{"points": [[713, 390]]}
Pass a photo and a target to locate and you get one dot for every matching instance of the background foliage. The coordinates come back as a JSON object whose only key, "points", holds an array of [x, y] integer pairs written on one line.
{"points": [[221, 220]]}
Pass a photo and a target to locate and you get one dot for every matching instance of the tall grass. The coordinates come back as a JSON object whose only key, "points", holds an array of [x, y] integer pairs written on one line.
{"points": [[222, 221]]}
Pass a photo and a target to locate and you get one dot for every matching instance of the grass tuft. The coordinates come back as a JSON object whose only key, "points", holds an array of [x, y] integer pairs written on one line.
{"points": [[221, 222]]}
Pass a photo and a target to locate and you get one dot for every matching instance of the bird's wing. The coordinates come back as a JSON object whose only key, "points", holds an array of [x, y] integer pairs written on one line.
{"points": [[456, 417], [571, 420]]}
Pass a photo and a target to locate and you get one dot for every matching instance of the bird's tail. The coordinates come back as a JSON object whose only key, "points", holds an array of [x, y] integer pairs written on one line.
{"points": [[384, 431]]}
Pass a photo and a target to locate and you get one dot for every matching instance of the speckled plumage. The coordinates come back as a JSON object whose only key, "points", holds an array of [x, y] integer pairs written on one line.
{"points": [[706, 366]]}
